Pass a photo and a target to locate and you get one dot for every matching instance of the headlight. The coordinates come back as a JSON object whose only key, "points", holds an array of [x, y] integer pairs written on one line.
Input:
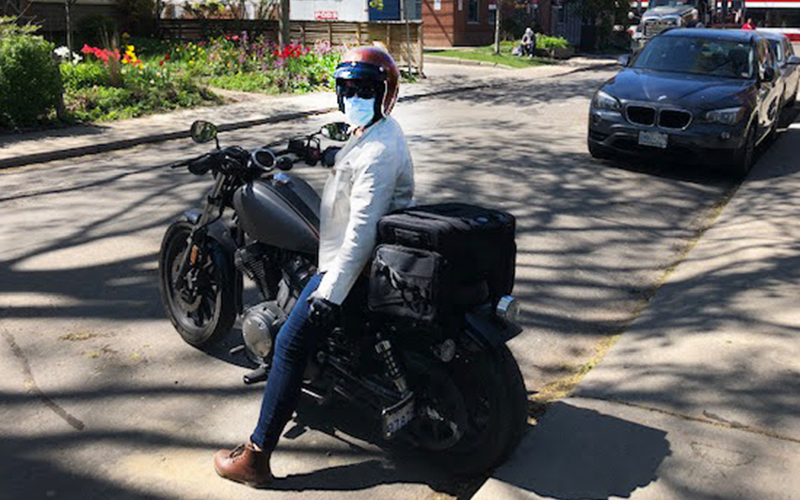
{"points": [[603, 100], [726, 116], [508, 308]]}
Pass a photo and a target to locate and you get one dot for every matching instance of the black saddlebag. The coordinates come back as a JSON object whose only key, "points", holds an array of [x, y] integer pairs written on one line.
{"points": [[434, 259]]}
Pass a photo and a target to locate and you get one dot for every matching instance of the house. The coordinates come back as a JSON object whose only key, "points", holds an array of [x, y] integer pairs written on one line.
{"points": [[50, 14], [448, 23], [354, 10]]}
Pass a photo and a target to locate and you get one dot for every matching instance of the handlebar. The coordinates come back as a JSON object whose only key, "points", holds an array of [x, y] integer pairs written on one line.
{"points": [[261, 160]]}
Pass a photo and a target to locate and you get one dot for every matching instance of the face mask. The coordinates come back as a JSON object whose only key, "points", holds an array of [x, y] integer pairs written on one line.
{"points": [[359, 112]]}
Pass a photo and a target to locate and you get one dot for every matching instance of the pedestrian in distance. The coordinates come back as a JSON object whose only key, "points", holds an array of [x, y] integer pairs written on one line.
{"points": [[749, 26], [372, 175], [528, 45]]}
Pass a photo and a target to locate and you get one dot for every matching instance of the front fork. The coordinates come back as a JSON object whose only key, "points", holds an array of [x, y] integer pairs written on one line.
{"points": [[189, 257]]}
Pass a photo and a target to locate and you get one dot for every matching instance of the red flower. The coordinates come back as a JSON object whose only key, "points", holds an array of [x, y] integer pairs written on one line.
{"points": [[166, 57], [86, 49], [235, 37], [161, 62]]}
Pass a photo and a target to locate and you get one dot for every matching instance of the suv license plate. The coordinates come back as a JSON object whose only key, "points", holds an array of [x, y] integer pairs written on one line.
{"points": [[397, 416], [654, 139]]}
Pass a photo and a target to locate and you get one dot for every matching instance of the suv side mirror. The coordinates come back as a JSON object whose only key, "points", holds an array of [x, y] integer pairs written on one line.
{"points": [[336, 131], [769, 74], [624, 60], [793, 60]]}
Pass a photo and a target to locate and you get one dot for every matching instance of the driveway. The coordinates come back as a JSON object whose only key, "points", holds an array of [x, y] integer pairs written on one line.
{"points": [[100, 399]]}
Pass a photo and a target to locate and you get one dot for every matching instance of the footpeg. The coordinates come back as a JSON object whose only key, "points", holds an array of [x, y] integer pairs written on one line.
{"points": [[258, 375]]}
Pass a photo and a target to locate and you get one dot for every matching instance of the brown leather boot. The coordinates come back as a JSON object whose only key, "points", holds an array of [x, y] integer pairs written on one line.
{"points": [[244, 464]]}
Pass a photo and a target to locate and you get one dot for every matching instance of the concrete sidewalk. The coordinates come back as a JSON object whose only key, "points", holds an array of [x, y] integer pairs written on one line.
{"points": [[699, 398], [39, 147]]}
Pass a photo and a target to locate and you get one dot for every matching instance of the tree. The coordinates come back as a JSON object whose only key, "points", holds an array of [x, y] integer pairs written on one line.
{"points": [[604, 14]]}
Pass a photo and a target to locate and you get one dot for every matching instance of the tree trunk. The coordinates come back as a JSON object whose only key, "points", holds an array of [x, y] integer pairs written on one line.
{"points": [[67, 5], [284, 32]]}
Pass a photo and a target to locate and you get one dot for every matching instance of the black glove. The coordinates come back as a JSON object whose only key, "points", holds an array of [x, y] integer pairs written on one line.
{"points": [[322, 313], [329, 156]]}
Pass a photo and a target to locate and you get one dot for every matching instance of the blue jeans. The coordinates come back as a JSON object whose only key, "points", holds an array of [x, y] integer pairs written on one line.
{"points": [[292, 347]]}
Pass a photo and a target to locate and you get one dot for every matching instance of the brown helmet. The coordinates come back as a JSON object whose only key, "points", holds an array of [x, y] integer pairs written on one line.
{"points": [[370, 65]]}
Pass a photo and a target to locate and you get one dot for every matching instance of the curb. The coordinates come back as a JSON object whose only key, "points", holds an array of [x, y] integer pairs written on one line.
{"points": [[457, 61], [62, 154]]}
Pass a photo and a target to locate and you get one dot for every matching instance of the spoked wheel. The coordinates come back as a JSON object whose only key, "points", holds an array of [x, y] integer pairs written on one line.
{"points": [[202, 310], [471, 413]]}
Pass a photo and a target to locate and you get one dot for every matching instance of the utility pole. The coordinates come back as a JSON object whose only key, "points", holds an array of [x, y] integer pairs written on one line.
{"points": [[497, 27]]}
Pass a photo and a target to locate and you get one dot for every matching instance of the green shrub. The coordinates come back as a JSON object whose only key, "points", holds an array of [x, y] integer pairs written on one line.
{"points": [[30, 81], [550, 42], [84, 75]]}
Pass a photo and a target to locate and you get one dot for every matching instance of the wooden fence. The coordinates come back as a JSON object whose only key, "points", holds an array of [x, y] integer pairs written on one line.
{"points": [[402, 40]]}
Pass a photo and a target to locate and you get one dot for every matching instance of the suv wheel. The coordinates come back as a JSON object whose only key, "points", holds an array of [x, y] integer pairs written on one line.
{"points": [[600, 152], [744, 157]]}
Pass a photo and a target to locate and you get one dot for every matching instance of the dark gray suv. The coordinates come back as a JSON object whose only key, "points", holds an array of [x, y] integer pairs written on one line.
{"points": [[704, 94]]}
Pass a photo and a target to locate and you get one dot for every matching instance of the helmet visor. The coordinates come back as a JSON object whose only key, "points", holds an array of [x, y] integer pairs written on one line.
{"points": [[359, 71]]}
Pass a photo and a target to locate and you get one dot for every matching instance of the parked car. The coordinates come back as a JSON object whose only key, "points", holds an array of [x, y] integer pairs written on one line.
{"points": [[787, 64], [703, 93]]}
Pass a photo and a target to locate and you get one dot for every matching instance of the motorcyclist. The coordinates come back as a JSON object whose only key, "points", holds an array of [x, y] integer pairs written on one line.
{"points": [[372, 175]]}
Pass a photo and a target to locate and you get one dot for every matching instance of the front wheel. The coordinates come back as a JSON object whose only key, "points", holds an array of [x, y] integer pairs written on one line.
{"points": [[471, 413], [744, 157], [203, 309], [599, 151]]}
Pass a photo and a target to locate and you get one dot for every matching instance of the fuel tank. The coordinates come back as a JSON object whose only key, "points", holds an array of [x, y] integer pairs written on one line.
{"points": [[282, 211]]}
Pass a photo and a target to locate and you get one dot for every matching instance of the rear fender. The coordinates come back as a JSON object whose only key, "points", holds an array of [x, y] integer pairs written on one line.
{"points": [[220, 232], [488, 330]]}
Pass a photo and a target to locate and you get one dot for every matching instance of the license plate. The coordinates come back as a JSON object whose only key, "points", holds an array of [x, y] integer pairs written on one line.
{"points": [[654, 139], [397, 416]]}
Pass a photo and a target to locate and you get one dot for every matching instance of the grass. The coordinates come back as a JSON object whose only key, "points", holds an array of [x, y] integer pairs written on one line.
{"points": [[486, 54]]}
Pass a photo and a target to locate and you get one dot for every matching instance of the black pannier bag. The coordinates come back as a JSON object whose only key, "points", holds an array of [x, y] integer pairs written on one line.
{"points": [[476, 255]]}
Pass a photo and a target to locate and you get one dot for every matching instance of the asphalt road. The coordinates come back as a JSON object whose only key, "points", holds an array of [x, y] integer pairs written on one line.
{"points": [[100, 399]]}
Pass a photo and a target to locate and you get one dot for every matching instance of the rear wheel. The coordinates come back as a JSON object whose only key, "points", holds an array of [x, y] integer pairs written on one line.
{"points": [[203, 309], [471, 414]]}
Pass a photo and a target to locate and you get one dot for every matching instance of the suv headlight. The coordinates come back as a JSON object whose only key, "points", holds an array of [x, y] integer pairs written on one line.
{"points": [[604, 100], [508, 308], [725, 116]]}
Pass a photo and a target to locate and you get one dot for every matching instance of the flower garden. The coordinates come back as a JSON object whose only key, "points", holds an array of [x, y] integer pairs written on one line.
{"points": [[139, 76]]}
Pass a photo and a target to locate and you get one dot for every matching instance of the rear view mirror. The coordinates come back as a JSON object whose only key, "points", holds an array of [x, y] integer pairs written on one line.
{"points": [[203, 131], [336, 131], [793, 60], [624, 60]]}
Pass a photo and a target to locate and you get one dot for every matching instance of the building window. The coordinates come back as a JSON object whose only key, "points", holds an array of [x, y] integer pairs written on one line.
{"points": [[472, 11], [492, 17]]}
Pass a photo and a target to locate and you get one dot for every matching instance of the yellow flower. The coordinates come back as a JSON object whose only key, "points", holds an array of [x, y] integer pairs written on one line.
{"points": [[131, 48]]}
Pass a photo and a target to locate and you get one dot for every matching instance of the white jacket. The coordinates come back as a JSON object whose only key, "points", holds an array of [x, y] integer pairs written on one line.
{"points": [[373, 176]]}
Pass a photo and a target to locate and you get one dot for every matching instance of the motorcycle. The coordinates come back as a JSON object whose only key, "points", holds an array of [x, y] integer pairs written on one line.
{"points": [[456, 394]]}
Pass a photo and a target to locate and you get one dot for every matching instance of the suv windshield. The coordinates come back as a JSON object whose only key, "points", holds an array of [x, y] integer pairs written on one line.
{"points": [[669, 3], [697, 56]]}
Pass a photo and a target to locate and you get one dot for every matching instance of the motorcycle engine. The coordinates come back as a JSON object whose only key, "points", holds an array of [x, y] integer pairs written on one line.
{"points": [[260, 326]]}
